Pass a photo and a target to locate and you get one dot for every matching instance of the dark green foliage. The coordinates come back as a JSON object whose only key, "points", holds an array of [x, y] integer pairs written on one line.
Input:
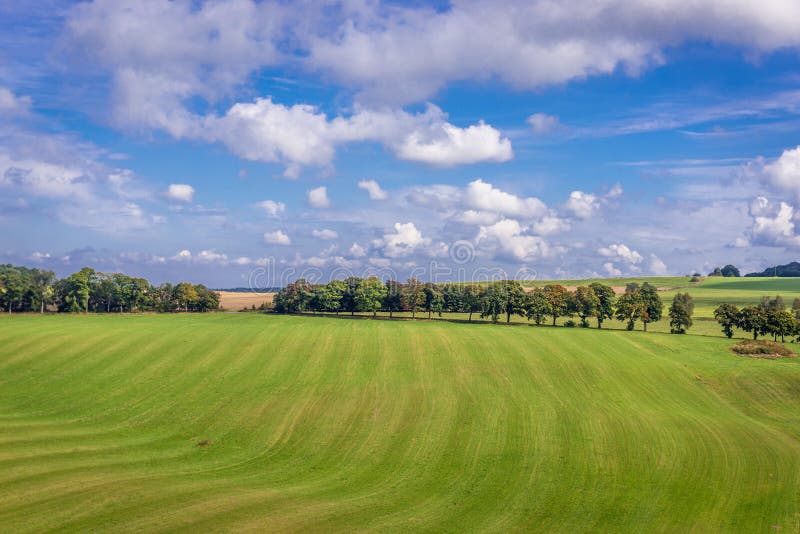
{"points": [[558, 299], [790, 270], [537, 306], [605, 302], [753, 319], [680, 313], [727, 315], [730, 271], [585, 304]]}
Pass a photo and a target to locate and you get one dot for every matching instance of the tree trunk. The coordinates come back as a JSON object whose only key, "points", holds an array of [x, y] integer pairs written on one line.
{"points": [[470, 316], [645, 325], [429, 315], [42, 308], [599, 323], [554, 320], [755, 335], [413, 313], [390, 314], [508, 317]]}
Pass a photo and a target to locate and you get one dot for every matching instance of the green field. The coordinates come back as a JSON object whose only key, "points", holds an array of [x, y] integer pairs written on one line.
{"points": [[323, 424]]}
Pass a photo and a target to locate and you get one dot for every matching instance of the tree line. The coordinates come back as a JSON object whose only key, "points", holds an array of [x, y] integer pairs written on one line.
{"points": [[769, 318], [494, 300], [36, 290]]}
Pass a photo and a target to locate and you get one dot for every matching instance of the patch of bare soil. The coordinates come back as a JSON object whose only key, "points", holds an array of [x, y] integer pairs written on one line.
{"points": [[233, 301], [762, 349], [205, 443]]}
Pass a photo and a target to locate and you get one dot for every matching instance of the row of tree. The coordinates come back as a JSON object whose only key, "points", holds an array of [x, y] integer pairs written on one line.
{"points": [[492, 300], [26, 290], [769, 318]]}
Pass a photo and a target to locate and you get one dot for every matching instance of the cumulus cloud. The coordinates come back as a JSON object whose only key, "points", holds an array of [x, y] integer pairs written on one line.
{"points": [[621, 252], [582, 205], [180, 193], [357, 251], [374, 189], [550, 225], [278, 237], [484, 196], [784, 172], [511, 239], [272, 208], [318, 197], [658, 267], [325, 233], [543, 124], [773, 223], [405, 240], [450, 146]]}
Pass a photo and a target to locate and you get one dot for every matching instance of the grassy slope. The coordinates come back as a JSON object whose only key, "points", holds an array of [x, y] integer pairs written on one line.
{"points": [[327, 424]]}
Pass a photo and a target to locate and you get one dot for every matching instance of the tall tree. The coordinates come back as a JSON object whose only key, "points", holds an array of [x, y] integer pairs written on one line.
{"points": [[651, 305], [585, 303], [471, 298], [605, 298], [727, 315], [434, 301], [680, 313], [393, 302], [515, 299], [537, 307], [413, 296], [558, 299], [753, 319], [369, 295]]}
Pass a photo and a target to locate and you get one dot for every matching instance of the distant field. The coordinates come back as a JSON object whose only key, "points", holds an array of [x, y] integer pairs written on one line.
{"points": [[257, 422], [236, 301]]}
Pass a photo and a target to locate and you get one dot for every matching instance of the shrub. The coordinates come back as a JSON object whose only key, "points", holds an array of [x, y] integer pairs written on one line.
{"points": [[761, 349], [570, 324]]}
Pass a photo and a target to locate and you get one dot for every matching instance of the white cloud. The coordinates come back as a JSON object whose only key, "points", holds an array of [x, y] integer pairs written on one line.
{"points": [[510, 238], [183, 255], [211, 256], [611, 270], [242, 260], [543, 124], [374, 189], [658, 267], [180, 193], [582, 205], [278, 237], [773, 224], [357, 251], [615, 192], [484, 196], [405, 240], [11, 104], [274, 209], [475, 217], [550, 225], [325, 233], [318, 197], [621, 252], [451, 146], [784, 173], [39, 257]]}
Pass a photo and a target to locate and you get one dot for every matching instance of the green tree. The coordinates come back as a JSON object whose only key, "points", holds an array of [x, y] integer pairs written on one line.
{"points": [[585, 303], [727, 315], [393, 302], [537, 307], [186, 295], [730, 271], [680, 313], [471, 299], [753, 319], [558, 299], [629, 309], [651, 306], [369, 295], [434, 301], [796, 308], [780, 323], [515, 299], [413, 296], [493, 302], [605, 298]]}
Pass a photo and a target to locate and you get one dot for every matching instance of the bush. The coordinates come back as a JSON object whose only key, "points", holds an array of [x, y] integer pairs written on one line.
{"points": [[570, 324], [762, 349], [694, 279]]}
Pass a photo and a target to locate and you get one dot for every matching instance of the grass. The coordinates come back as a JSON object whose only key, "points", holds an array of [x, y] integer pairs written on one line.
{"points": [[319, 424]]}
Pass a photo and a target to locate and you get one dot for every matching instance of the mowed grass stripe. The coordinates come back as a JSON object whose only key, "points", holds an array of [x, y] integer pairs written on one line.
{"points": [[333, 425]]}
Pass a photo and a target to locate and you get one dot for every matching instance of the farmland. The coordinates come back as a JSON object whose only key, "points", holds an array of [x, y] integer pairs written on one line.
{"points": [[284, 423]]}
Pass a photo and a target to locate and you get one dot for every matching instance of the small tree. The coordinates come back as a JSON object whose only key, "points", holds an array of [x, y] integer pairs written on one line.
{"points": [[730, 271], [605, 302], [727, 315], [753, 319], [471, 299], [586, 303], [796, 308], [434, 301], [515, 299], [680, 313], [537, 307], [413, 296], [629, 309], [493, 302], [558, 299], [369, 295], [651, 305], [393, 302], [781, 323]]}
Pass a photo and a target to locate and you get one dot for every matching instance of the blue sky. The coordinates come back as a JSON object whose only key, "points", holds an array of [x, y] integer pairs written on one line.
{"points": [[239, 142]]}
